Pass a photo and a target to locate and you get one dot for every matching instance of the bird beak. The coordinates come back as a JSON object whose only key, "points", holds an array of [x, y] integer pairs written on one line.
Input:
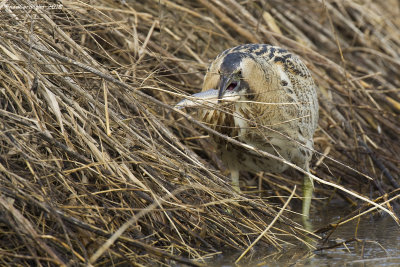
{"points": [[206, 98], [225, 82]]}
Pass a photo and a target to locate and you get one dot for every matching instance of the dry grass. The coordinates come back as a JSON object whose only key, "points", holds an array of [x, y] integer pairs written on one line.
{"points": [[95, 167]]}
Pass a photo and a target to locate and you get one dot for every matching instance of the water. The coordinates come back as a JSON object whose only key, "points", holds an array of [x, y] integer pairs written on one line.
{"points": [[372, 241]]}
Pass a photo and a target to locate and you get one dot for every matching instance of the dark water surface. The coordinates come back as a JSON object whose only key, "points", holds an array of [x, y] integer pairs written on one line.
{"points": [[372, 241]]}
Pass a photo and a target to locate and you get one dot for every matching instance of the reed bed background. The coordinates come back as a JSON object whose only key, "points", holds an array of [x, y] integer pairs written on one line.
{"points": [[97, 168]]}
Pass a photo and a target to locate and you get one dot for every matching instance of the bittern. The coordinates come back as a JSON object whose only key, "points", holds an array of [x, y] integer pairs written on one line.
{"points": [[263, 96]]}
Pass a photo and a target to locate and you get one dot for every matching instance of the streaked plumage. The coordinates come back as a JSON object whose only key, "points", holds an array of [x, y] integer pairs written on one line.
{"points": [[273, 106]]}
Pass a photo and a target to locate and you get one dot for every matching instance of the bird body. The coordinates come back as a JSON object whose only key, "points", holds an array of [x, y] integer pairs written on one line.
{"points": [[271, 104]]}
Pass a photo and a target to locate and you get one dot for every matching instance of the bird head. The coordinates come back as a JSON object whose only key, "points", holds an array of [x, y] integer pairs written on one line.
{"points": [[230, 73], [231, 77]]}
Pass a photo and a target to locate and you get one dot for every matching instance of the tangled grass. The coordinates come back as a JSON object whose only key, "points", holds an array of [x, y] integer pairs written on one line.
{"points": [[97, 168]]}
